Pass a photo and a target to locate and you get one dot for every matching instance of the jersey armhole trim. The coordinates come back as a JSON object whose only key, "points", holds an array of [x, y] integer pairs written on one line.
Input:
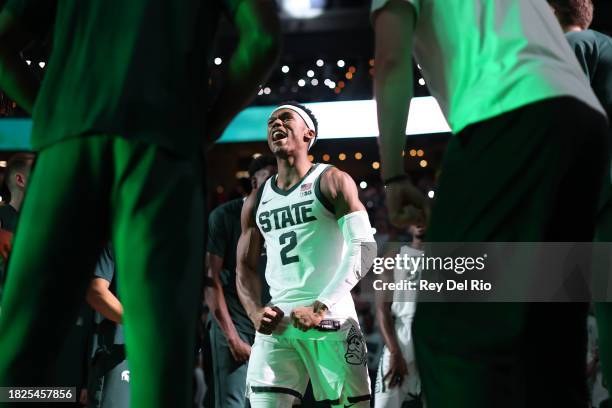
{"points": [[319, 194], [258, 198]]}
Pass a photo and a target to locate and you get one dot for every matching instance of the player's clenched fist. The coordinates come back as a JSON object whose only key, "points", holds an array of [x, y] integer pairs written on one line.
{"points": [[267, 318], [406, 204], [306, 317]]}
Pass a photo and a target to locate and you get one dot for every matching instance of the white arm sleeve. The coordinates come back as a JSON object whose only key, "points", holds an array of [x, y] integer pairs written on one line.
{"points": [[357, 260]]}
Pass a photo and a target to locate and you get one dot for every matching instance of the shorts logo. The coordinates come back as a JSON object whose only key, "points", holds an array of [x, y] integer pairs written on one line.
{"points": [[355, 348], [125, 376]]}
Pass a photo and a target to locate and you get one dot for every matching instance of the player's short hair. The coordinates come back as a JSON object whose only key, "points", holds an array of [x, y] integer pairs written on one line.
{"points": [[305, 109], [18, 163], [309, 113], [573, 12], [261, 162]]}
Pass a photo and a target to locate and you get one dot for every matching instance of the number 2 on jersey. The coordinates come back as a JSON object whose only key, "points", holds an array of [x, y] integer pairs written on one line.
{"points": [[290, 239]]}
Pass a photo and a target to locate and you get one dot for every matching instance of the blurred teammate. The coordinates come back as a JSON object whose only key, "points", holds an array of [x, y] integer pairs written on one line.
{"points": [[592, 48], [120, 122], [594, 52], [109, 377], [529, 152], [397, 380], [232, 332], [307, 214], [16, 180]]}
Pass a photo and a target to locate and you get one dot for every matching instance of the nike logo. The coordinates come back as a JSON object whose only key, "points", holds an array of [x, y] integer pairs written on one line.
{"points": [[266, 202]]}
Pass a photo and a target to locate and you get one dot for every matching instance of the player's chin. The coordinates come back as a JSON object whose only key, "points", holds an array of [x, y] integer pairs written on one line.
{"points": [[281, 151]]}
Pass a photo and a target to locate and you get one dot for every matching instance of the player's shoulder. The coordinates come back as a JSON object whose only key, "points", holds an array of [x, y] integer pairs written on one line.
{"points": [[105, 268], [410, 251], [332, 178], [7, 213], [586, 38], [251, 203], [229, 207], [6, 209], [602, 40]]}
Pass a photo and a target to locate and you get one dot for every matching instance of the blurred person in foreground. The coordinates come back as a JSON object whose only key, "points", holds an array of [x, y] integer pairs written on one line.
{"points": [[529, 152], [120, 152], [594, 52]]}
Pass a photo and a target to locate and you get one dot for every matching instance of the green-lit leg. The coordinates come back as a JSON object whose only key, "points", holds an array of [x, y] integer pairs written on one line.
{"points": [[158, 239], [522, 176], [61, 230]]}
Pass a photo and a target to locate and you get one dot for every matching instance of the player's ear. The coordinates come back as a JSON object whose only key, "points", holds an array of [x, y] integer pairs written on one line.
{"points": [[20, 179], [309, 135]]}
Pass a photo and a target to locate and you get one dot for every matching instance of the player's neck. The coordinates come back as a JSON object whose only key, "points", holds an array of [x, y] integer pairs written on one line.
{"points": [[572, 28], [16, 200], [291, 170], [417, 243]]}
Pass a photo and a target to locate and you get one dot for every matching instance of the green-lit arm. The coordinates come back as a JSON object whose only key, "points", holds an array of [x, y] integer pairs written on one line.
{"points": [[255, 56], [16, 79], [394, 29], [393, 26]]}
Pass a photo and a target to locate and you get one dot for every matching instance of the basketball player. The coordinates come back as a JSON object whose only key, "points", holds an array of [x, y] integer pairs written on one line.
{"points": [[594, 52], [16, 179], [319, 244], [528, 154], [397, 380], [120, 123], [109, 377]]}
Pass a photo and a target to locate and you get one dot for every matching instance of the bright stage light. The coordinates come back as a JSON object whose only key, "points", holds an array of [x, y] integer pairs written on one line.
{"points": [[303, 8]]}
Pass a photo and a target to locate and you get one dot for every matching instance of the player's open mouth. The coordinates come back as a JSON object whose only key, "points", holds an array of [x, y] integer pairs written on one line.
{"points": [[278, 135]]}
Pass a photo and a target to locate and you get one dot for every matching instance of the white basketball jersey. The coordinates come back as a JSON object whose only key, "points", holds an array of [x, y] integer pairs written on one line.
{"points": [[404, 302], [303, 241]]}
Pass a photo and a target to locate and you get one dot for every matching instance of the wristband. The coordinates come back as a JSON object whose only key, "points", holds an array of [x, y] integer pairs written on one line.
{"points": [[319, 307]]}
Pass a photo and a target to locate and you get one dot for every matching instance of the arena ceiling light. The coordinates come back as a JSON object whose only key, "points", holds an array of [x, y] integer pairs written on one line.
{"points": [[302, 8]]}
